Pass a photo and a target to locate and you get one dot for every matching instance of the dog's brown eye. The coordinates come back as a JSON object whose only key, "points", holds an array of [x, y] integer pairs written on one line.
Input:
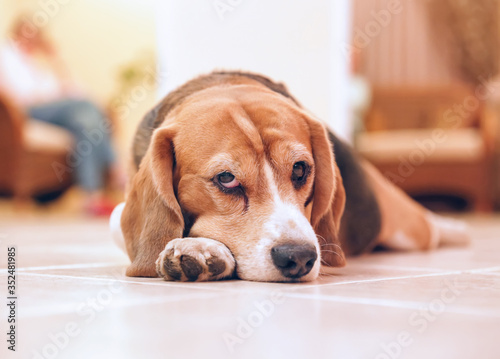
{"points": [[299, 170], [299, 174], [227, 180], [226, 177]]}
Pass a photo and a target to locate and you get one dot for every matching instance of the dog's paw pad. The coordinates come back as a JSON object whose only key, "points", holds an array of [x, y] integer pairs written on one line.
{"points": [[195, 259], [216, 266], [171, 269], [191, 268]]}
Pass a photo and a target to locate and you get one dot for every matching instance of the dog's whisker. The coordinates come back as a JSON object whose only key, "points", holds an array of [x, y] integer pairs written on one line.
{"points": [[331, 251], [336, 253], [321, 237], [328, 250], [330, 244]]}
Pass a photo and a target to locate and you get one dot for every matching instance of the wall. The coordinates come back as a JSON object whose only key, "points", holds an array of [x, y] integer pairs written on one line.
{"points": [[295, 42], [97, 38], [396, 43]]}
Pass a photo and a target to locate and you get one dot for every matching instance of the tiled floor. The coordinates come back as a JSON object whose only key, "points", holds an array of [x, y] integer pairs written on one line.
{"points": [[74, 302]]}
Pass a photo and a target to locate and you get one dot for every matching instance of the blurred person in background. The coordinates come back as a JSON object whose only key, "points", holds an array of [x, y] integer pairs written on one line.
{"points": [[35, 77]]}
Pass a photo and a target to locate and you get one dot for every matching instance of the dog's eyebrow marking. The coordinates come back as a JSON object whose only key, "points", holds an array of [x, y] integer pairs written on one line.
{"points": [[221, 162], [249, 130], [282, 142], [298, 152]]}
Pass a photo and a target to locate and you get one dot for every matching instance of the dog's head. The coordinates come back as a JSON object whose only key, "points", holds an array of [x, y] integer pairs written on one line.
{"points": [[247, 167]]}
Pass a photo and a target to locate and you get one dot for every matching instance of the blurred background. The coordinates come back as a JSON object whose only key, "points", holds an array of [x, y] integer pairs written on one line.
{"points": [[412, 84]]}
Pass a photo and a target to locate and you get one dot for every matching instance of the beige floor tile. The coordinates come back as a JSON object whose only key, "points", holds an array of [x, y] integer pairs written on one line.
{"points": [[464, 293], [52, 241], [481, 253], [443, 304], [247, 326]]}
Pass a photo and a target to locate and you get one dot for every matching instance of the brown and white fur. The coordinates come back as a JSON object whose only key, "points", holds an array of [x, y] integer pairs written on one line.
{"points": [[181, 222]]}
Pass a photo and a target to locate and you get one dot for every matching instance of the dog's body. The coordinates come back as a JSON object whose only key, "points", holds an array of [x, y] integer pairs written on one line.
{"points": [[231, 176]]}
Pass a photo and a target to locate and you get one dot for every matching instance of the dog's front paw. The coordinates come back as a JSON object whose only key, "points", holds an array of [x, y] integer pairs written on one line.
{"points": [[195, 259]]}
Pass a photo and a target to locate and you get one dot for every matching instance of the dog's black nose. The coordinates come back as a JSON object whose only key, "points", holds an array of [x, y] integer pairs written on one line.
{"points": [[294, 261]]}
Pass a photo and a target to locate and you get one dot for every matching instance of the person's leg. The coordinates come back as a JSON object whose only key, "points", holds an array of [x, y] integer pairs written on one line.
{"points": [[93, 152]]}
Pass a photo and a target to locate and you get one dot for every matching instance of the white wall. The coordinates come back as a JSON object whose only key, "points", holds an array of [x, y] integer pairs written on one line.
{"points": [[293, 41]]}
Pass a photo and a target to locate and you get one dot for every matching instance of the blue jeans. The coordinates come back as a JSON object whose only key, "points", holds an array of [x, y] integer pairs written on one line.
{"points": [[92, 154]]}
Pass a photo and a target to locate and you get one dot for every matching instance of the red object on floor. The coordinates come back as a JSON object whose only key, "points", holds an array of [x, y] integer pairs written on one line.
{"points": [[100, 208]]}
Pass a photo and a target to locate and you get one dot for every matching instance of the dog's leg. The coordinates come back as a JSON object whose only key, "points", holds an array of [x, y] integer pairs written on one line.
{"points": [[450, 231], [405, 224], [195, 259]]}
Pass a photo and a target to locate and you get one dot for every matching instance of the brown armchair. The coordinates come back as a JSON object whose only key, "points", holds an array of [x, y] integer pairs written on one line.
{"points": [[433, 141], [29, 150]]}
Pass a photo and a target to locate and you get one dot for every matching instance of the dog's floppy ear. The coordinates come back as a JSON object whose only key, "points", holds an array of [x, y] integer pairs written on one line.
{"points": [[152, 216], [328, 198]]}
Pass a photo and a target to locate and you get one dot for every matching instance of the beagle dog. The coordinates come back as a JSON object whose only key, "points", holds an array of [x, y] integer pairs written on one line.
{"points": [[232, 178]]}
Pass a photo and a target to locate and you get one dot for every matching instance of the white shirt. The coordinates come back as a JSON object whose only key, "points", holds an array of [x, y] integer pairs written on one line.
{"points": [[25, 81]]}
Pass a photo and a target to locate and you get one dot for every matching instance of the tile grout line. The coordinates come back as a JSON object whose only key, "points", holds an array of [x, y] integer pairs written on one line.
{"points": [[183, 284], [485, 270], [464, 271], [65, 266], [394, 278], [189, 285], [386, 266], [299, 287], [160, 282], [492, 274], [386, 303]]}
